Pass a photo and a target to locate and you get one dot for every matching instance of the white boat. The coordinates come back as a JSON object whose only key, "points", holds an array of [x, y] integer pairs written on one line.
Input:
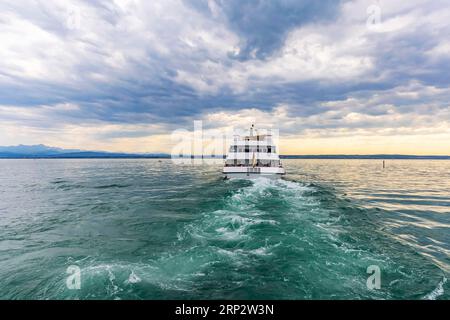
{"points": [[253, 155]]}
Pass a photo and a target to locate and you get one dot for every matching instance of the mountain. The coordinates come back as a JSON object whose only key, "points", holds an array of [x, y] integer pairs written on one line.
{"points": [[39, 149], [43, 151]]}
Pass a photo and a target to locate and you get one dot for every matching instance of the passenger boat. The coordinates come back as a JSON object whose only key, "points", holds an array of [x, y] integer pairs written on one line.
{"points": [[253, 155]]}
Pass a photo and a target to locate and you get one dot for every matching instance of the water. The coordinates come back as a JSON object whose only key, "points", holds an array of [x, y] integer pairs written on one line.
{"points": [[148, 229]]}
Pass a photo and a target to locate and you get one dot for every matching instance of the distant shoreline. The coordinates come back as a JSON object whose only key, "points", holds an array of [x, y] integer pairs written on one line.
{"points": [[330, 157], [41, 151], [372, 157]]}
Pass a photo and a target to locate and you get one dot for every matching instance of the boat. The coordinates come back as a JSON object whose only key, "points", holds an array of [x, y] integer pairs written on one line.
{"points": [[253, 155]]}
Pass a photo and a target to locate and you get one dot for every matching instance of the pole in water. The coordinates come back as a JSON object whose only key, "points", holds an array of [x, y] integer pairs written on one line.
{"points": [[384, 164]]}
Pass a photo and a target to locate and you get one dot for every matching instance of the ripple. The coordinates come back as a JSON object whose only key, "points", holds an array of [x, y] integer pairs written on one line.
{"points": [[142, 230]]}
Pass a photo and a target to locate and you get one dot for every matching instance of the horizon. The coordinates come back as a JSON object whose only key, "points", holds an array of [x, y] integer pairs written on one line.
{"points": [[62, 152], [336, 77]]}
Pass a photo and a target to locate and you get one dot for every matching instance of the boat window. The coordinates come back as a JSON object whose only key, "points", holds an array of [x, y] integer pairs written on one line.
{"points": [[230, 163]]}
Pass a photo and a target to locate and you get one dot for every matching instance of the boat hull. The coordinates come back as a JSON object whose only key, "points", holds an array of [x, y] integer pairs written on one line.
{"points": [[253, 173], [240, 175]]}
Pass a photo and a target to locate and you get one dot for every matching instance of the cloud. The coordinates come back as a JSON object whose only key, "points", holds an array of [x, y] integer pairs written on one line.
{"points": [[316, 68], [261, 25]]}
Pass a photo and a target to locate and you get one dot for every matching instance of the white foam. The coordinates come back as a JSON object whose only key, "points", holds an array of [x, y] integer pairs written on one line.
{"points": [[263, 251], [439, 291], [231, 234], [133, 278]]}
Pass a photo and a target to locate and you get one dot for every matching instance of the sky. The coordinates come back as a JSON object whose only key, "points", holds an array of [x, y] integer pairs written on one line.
{"points": [[334, 77]]}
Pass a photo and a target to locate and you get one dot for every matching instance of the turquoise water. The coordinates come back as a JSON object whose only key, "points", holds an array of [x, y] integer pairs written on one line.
{"points": [[149, 229]]}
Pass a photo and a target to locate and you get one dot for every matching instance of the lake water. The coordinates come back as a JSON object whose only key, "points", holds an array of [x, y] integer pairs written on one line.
{"points": [[150, 229]]}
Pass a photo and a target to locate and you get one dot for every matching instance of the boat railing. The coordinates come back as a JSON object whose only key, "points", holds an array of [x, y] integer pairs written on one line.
{"points": [[257, 166]]}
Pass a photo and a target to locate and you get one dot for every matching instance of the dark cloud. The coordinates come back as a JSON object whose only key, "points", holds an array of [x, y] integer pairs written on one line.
{"points": [[263, 24], [146, 88]]}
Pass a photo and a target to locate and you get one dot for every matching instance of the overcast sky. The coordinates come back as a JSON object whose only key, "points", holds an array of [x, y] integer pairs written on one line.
{"points": [[334, 77]]}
